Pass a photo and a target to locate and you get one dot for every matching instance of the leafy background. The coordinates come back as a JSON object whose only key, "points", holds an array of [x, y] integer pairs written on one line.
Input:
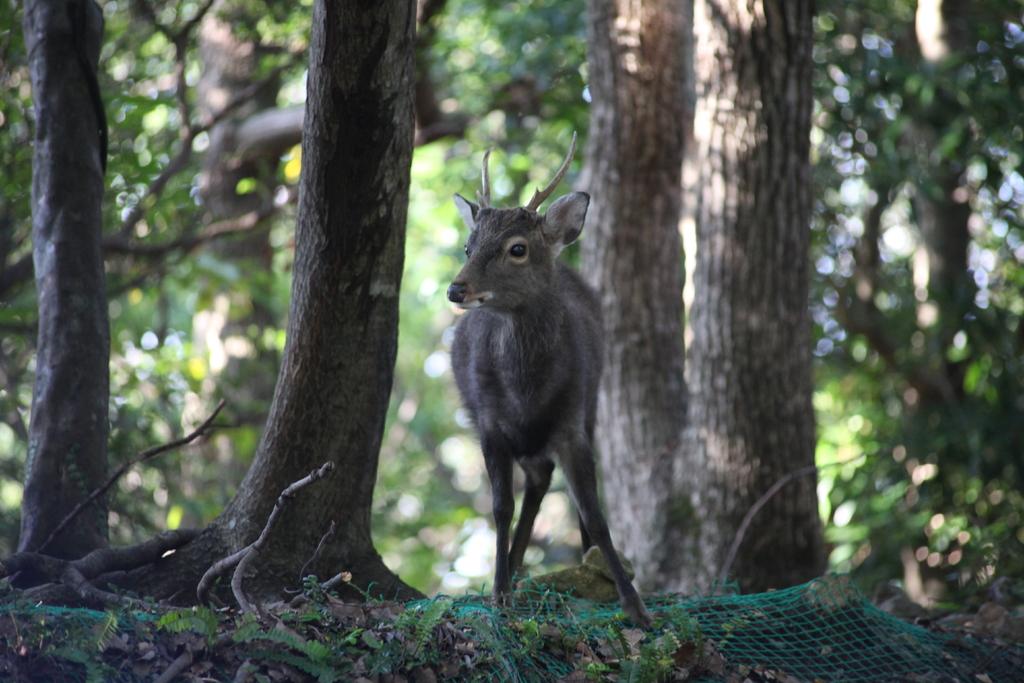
{"points": [[905, 486]]}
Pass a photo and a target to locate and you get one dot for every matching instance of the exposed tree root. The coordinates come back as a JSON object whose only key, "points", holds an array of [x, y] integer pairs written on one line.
{"points": [[75, 581]]}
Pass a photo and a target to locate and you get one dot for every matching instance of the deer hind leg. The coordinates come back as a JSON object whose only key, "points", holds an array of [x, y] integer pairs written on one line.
{"points": [[585, 542], [577, 462], [538, 481]]}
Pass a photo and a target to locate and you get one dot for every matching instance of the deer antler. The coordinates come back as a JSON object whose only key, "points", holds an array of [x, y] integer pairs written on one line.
{"points": [[484, 196], [540, 195]]}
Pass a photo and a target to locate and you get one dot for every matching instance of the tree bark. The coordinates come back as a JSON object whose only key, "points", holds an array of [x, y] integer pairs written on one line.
{"points": [[751, 418], [943, 31], [334, 383], [632, 254], [67, 453]]}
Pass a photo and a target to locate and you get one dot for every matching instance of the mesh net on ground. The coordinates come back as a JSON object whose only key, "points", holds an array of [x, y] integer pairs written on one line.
{"points": [[824, 630]]}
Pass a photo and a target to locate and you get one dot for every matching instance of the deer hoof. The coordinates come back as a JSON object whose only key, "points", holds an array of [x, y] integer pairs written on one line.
{"points": [[637, 613], [503, 598]]}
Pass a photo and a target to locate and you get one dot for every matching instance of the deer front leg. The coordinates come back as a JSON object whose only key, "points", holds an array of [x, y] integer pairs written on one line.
{"points": [[499, 471], [538, 480], [577, 461]]}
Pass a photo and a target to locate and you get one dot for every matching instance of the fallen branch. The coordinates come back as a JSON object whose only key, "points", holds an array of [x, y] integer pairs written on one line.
{"points": [[148, 454], [254, 549], [182, 662], [334, 581]]}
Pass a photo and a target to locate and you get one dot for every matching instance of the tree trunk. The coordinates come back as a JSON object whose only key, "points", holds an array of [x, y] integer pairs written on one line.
{"points": [[334, 383], [943, 31], [632, 254], [67, 453], [751, 419]]}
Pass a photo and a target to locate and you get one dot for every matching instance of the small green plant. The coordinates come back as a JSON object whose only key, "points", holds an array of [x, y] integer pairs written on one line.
{"points": [[419, 622], [201, 620], [309, 656]]}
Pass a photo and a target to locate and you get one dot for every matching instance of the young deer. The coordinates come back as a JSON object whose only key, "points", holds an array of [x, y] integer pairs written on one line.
{"points": [[527, 360]]}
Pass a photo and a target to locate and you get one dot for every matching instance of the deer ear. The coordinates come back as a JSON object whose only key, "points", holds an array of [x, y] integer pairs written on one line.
{"points": [[563, 222], [468, 210]]}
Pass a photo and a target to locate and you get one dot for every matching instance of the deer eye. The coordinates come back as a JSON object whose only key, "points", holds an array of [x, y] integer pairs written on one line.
{"points": [[466, 248], [517, 250]]}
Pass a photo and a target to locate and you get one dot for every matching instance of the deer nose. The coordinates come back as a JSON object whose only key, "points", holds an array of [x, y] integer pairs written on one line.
{"points": [[457, 292]]}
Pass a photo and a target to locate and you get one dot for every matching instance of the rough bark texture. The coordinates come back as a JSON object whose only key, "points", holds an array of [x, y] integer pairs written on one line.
{"points": [[751, 419], [333, 387], [67, 453], [633, 256]]}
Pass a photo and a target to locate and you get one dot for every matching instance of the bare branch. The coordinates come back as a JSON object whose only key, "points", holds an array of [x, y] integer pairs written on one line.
{"points": [[214, 231], [191, 24], [216, 569], [181, 662], [140, 458], [254, 549], [319, 549]]}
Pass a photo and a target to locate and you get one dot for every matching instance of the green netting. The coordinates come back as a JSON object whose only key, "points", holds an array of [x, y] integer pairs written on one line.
{"points": [[823, 630]]}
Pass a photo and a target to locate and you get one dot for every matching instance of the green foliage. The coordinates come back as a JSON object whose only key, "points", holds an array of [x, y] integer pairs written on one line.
{"points": [[940, 479], [95, 671], [419, 621], [201, 620], [940, 484], [309, 656]]}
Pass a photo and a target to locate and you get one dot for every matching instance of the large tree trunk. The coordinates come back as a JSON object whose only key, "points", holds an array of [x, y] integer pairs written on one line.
{"points": [[67, 454], [751, 419], [333, 387], [633, 256]]}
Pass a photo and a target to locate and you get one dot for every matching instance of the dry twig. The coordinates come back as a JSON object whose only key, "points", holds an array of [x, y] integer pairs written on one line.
{"points": [[241, 559], [254, 549], [319, 549]]}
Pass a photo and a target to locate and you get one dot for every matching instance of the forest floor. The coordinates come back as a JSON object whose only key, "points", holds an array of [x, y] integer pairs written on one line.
{"points": [[823, 630]]}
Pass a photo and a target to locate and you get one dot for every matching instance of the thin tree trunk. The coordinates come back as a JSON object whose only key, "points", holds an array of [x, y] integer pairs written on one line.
{"points": [[67, 453], [632, 254], [335, 379], [943, 31], [751, 419]]}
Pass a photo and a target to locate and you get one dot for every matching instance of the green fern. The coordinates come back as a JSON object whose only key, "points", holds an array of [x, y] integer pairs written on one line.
{"points": [[201, 620], [421, 622], [309, 656], [105, 630]]}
